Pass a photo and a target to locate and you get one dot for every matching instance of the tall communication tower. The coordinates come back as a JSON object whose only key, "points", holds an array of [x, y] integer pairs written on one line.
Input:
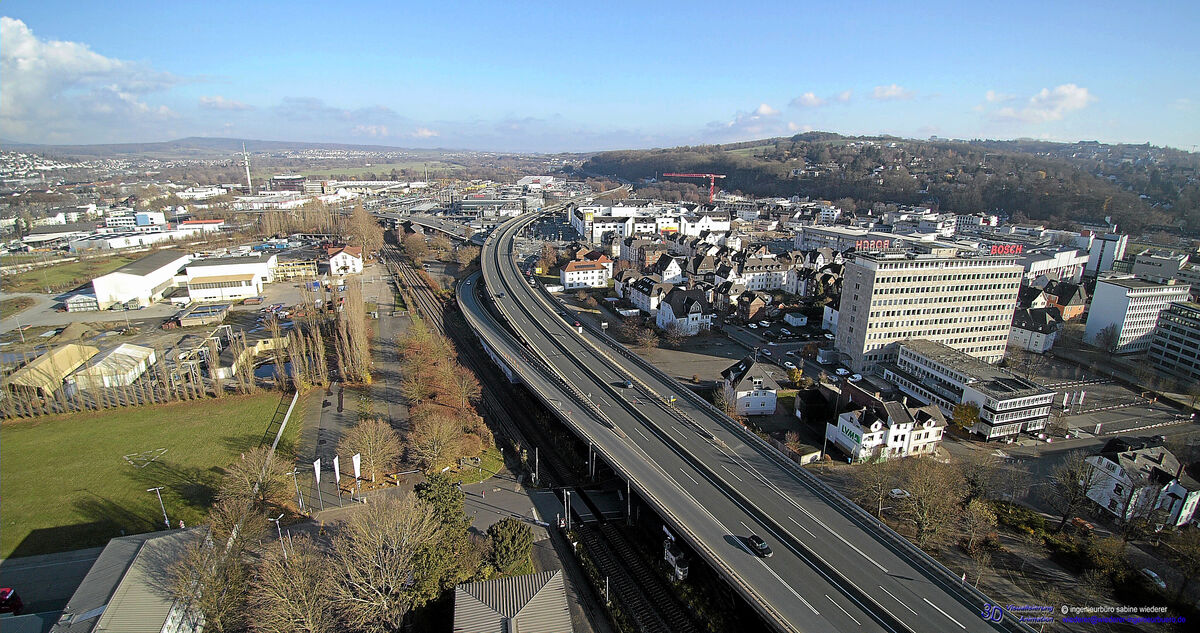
{"points": [[246, 159]]}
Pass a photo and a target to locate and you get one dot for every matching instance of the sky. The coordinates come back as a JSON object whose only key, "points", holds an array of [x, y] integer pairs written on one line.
{"points": [[550, 77]]}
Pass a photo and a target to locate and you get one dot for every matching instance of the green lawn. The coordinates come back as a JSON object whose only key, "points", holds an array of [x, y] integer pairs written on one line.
{"points": [[491, 462], [66, 483], [66, 276]]}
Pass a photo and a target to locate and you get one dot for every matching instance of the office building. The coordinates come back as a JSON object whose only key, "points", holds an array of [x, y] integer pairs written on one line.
{"points": [[1130, 307], [1157, 265], [961, 300], [1175, 343], [1103, 250], [583, 274], [844, 238], [936, 374]]}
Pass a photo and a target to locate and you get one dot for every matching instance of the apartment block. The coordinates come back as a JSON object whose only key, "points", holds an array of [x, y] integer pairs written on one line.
{"points": [[1175, 343], [958, 299], [1131, 306]]}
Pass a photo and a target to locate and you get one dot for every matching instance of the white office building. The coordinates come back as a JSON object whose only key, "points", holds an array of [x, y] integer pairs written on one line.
{"points": [[936, 374], [1131, 307], [584, 274], [1103, 250], [221, 279], [957, 299]]}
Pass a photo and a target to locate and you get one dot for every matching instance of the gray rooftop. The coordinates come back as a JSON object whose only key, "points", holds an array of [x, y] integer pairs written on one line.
{"points": [[988, 379], [123, 590], [151, 262], [231, 259], [1137, 283], [533, 603]]}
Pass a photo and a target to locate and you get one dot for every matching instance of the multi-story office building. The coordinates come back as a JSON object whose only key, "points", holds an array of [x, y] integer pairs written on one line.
{"points": [[1157, 265], [1130, 306], [843, 238], [961, 300], [937, 374], [1103, 250], [1175, 343]]}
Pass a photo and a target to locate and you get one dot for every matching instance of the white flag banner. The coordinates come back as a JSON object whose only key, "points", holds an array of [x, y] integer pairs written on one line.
{"points": [[1081, 395], [337, 471], [1065, 396], [317, 471], [357, 459]]}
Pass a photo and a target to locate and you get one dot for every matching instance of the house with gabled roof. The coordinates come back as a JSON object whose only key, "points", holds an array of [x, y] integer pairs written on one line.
{"points": [[533, 603], [685, 311], [749, 388]]}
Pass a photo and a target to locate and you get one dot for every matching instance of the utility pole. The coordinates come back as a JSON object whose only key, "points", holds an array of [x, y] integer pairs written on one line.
{"points": [[158, 492], [536, 465], [299, 497]]}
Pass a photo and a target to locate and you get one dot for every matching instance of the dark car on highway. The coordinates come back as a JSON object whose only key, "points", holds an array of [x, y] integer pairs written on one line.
{"points": [[759, 546]]}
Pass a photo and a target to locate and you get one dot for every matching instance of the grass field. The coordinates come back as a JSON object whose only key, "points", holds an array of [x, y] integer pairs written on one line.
{"points": [[66, 276], [66, 482], [13, 305]]}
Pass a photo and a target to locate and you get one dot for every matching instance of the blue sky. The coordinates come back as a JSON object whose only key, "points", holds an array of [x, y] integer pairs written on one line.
{"points": [[589, 76]]}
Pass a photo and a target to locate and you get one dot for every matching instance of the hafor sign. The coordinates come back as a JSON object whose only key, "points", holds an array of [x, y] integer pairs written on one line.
{"points": [[872, 244]]}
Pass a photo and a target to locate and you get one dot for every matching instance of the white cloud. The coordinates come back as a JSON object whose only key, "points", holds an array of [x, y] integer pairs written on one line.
{"points": [[1049, 105], [59, 91], [424, 132], [843, 96], [893, 92], [217, 102], [765, 110], [998, 97], [373, 131], [792, 127], [808, 100]]}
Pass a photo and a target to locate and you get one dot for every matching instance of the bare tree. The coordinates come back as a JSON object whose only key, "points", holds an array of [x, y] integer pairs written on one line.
{"points": [[259, 477], [980, 472], [377, 557], [1013, 481], [646, 338], [1107, 338], [978, 521], [291, 589], [935, 497], [1183, 550], [464, 387], [377, 442], [873, 481], [209, 581], [1070, 483], [435, 439]]}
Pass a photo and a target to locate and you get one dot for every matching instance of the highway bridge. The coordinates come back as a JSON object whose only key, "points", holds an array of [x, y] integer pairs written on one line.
{"points": [[835, 567]]}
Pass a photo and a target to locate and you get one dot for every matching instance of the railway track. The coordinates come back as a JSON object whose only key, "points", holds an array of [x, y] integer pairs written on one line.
{"points": [[638, 590]]}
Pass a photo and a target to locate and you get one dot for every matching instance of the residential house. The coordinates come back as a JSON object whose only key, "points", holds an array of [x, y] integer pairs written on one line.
{"points": [[647, 292], [687, 312], [749, 388], [668, 268], [1070, 299], [1135, 477], [752, 305], [583, 274], [1035, 329], [344, 260], [883, 429]]}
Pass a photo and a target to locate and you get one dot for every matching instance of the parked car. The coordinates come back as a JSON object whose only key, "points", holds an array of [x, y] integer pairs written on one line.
{"points": [[899, 493], [855, 377], [842, 371], [1153, 578], [789, 364], [759, 546], [786, 331], [752, 326], [764, 324], [766, 352]]}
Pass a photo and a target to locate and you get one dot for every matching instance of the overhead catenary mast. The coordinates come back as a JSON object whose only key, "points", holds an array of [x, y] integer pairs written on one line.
{"points": [[246, 159]]}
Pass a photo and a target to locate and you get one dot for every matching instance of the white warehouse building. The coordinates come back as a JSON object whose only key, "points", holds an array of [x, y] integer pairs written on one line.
{"points": [[143, 281], [119, 367], [229, 278]]}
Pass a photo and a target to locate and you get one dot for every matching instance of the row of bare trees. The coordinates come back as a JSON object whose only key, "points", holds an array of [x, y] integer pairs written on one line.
{"points": [[160, 383], [444, 425]]}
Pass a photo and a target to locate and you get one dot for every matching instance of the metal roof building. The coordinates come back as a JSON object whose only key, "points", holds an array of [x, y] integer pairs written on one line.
{"points": [[123, 590], [120, 366], [534, 603], [46, 372]]}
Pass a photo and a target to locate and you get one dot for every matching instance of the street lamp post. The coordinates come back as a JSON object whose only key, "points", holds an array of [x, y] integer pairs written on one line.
{"points": [[158, 492], [279, 530]]}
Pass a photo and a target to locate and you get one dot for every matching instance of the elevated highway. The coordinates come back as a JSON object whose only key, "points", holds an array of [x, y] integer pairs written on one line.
{"points": [[835, 567]]}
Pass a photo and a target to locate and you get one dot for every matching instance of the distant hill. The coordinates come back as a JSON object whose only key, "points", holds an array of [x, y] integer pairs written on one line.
{"points": [[1140, 186], [195, 147]]}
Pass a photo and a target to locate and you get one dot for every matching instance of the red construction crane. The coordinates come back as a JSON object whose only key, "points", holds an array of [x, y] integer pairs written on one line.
{"points": [[712, 181]]}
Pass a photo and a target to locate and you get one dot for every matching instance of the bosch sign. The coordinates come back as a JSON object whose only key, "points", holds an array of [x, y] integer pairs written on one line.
{"points": [[1007, 249], [872, 244]]}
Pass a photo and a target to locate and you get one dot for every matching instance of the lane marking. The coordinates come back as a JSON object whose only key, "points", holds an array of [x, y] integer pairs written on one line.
{"points": [[678, 432], [944, 613], [897, 599], [843, 610], [802, 527], [685, 474], [839, 536], [642, 434], [731, 473]]}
